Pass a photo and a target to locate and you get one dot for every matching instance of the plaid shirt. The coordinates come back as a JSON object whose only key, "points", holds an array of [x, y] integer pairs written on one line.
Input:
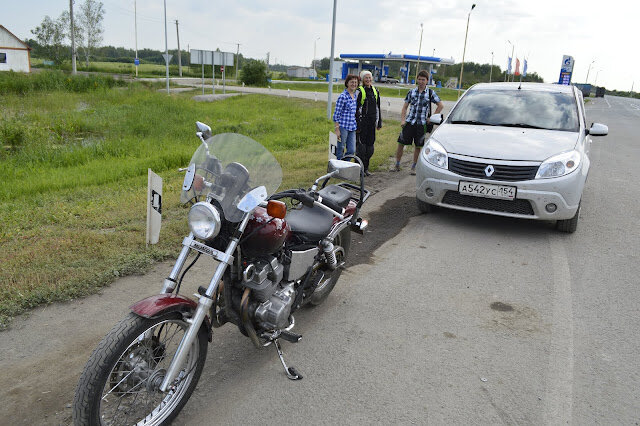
{"points": [[345, 113], [420, 105]]}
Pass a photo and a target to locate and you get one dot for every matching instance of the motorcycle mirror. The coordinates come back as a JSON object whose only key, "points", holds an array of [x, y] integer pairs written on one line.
{"points": [[188, 178], [204, 129], [346, 169], [252, 199]]}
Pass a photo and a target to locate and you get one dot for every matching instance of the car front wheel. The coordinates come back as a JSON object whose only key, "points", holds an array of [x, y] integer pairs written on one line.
{"points": [[424, 207], [569, 225]]}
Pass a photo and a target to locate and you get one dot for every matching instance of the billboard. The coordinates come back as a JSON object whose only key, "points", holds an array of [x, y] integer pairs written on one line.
{"points": [[208, 57]]}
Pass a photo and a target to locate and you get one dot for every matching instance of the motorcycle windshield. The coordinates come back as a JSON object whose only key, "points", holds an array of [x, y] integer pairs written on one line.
{"points": [[231, 165]]}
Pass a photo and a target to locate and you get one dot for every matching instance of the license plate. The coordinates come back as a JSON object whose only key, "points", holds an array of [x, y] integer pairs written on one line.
{"points": [[476, 189]]}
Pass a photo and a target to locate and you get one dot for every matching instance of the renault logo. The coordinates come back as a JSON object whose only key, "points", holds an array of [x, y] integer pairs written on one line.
{"points": [[489, 170]]}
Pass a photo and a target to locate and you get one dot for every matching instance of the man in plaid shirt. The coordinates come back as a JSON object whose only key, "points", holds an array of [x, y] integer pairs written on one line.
{"points": [[413, 126]]}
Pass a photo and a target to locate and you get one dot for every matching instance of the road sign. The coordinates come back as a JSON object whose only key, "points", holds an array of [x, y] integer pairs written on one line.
{"points": [[566, 70], [167, 60], [136, 61], [221, 69]]}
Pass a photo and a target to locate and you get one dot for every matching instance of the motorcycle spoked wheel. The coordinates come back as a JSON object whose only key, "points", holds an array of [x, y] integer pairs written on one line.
{"points": [[329, 281], [120, 382]]}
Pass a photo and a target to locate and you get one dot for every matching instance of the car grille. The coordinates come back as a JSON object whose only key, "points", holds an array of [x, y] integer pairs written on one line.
{"points": [[502, 172], [516, 206]]}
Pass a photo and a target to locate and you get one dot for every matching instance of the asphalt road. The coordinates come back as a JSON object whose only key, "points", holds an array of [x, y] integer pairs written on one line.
{"points": [[467, 319], [459, 318]]}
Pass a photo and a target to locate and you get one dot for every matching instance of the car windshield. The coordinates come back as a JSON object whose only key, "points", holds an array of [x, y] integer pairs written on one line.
{"points": [[517, 108]]}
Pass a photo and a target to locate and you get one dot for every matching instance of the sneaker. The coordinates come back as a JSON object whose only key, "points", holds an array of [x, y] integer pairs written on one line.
{"points": [[396, 168], [367, 173], [413, 171]]}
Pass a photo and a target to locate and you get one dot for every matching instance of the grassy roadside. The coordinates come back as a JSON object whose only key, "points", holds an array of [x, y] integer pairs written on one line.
{"points": [[74, 173]]}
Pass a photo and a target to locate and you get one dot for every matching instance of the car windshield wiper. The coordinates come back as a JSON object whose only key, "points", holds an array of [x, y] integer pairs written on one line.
{"points": [[474, 122], [522, 125]]}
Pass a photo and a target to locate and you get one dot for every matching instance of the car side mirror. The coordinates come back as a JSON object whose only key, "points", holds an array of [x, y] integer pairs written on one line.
{"points": [[598, 129], [436, 119], [346, 169]]}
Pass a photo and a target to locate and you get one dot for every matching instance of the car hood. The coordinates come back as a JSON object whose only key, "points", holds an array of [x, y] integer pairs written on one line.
{"points": [[504, 143]]}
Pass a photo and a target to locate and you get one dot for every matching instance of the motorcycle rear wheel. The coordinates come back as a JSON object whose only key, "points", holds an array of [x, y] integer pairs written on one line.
{"points": [[329, 281], [120, 382]]}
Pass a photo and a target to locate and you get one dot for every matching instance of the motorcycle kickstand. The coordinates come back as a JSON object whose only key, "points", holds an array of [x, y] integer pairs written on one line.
{"points": [[292, 373]]}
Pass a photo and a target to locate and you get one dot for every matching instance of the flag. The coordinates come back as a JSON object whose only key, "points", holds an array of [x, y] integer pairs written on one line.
{"points": [[509, 66], [517, 67], [524, 69]]}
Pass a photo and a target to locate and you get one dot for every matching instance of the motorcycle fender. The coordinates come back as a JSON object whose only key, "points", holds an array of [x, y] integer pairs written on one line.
{"points": [[160, 304]]}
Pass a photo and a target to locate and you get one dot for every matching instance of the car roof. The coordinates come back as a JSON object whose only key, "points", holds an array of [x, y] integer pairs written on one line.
{"points": [[537, 87]]}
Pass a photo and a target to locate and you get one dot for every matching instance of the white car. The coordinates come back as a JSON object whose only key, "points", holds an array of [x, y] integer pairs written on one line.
{"points": [[510, 149]]}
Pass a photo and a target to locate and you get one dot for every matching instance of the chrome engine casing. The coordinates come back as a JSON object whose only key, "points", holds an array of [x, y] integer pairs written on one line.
{"points": [[263, 277], [274, 313]]}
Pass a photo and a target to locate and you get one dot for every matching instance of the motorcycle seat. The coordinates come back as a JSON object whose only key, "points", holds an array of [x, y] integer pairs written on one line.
{"points": [[311, 224], [337, 194]]}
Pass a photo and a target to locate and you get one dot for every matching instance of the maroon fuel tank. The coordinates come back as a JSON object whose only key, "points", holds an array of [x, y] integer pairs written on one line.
{"points": [[264, 234]]}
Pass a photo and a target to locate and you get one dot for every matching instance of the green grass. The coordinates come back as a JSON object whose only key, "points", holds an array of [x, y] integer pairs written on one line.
{"points": [[74, 173]]}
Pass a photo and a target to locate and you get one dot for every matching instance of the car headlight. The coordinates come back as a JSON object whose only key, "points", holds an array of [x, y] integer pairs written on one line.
{"points": [[559, 165], [435, 154], [204, 220]]}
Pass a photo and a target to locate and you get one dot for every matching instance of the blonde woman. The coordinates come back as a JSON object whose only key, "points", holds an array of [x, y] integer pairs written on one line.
{"points": [[369, 118]]}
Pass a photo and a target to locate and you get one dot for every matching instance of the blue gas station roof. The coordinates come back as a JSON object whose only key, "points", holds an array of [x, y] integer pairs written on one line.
{"points": [[395, 57]]}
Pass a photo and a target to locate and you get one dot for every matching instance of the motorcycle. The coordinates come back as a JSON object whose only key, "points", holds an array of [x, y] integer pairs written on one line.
{"points": [[273, 259]]}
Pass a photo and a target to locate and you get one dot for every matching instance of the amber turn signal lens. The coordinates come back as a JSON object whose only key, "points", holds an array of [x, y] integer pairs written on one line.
{"points": [[276, 209]]}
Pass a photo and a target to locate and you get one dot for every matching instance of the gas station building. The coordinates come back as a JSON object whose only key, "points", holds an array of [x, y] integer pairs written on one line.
{"points": [[376, 64]]}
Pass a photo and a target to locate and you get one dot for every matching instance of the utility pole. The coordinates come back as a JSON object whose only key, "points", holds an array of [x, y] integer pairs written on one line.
{"points": [[166, 46], [135, 19], [419, 51], [268, 61], [73, 40], [237, 61], [333, 43], [179, 53], [491, 70]]}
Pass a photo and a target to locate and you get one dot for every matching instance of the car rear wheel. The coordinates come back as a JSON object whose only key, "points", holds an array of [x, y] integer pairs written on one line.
{"points": [[425, 207], [569, 225]]}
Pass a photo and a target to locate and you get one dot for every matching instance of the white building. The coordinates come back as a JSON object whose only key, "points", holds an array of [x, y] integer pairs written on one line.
{"points": [[301, 72], [14, 54]]}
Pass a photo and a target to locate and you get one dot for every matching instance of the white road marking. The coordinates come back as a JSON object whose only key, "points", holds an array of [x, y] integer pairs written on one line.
{"points": [[558, 399]]}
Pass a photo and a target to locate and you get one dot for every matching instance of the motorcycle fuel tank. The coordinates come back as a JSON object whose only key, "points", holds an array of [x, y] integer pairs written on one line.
{"points": [[264, 234]]}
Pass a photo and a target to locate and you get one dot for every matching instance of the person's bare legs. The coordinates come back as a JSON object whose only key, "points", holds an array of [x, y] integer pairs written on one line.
{"points": [[398, 156]]}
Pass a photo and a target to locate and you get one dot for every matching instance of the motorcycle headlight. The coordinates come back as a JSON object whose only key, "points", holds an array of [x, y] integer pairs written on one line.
{"points": [[559, 165], [435, 154], [204, 220]]}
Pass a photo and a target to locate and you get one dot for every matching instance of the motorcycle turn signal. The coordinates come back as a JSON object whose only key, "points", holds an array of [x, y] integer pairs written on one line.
{"points": [[276, 209]]}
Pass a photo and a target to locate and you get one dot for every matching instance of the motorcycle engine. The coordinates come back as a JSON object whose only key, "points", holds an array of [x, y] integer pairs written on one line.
{"points": [[274, 313], [264, 278]]}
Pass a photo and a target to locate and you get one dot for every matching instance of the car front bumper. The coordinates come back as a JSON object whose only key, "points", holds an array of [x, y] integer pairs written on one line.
{"points": [[439, 187]]}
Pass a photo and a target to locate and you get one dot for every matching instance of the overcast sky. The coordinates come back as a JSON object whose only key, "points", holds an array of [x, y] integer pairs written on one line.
{"points": [[541, 30]]}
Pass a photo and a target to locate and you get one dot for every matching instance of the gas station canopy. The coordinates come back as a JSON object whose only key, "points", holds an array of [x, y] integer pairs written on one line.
{"points": [[380, 72]]}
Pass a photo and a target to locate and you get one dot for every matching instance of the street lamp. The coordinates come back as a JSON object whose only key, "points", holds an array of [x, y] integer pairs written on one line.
{"points": [[314, 54], [465, 48], [491, 70], [589, 69], [596, 82], [419, 50]]}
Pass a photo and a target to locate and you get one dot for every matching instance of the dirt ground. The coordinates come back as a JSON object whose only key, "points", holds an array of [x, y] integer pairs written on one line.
{"points": [[43, 352]]}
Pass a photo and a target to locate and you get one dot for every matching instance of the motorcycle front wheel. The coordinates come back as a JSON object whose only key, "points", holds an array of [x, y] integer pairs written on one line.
{"points": [[120, 383]]}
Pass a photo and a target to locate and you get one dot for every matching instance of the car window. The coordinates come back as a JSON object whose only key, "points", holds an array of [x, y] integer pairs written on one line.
{"points": [[517, 108]]}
